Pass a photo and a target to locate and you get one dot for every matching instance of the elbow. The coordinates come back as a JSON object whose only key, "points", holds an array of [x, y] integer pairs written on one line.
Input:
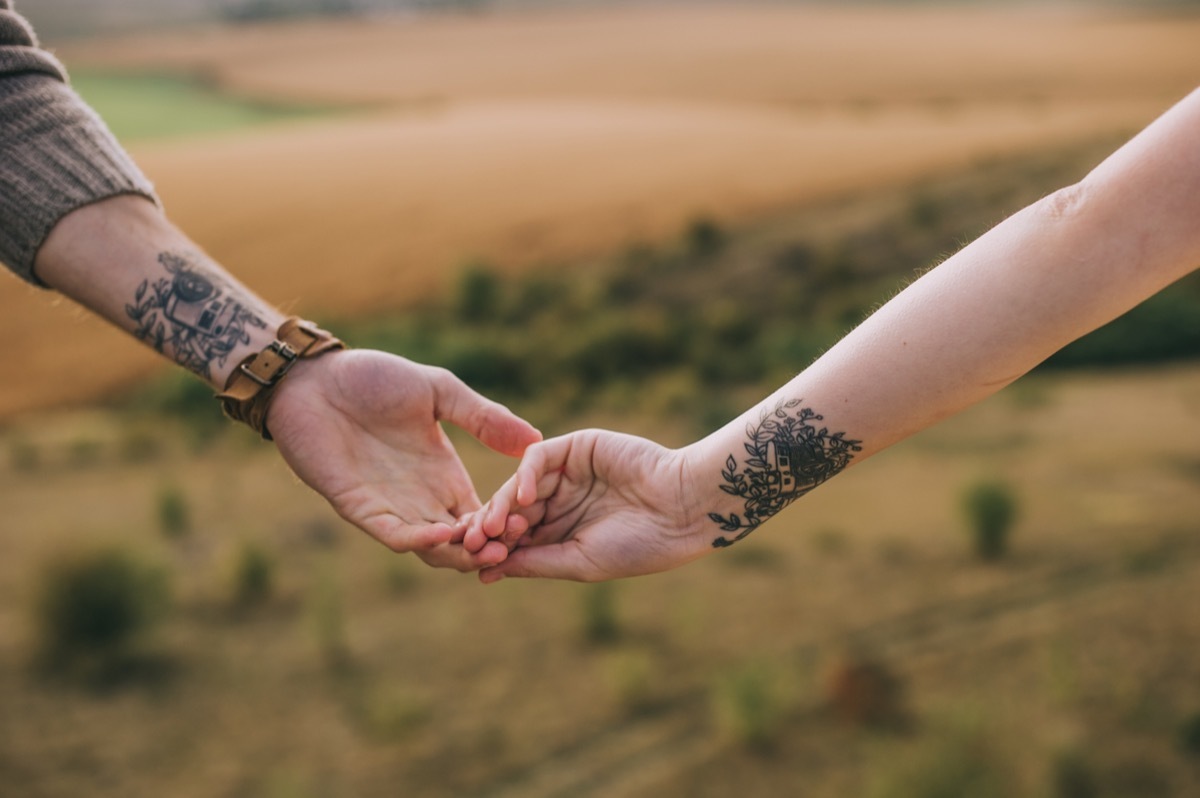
{"points": [[1066, 204]]}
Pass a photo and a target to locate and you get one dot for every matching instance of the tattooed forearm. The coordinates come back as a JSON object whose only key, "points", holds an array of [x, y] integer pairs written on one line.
{"points": [[190, 315], [787, 457]]}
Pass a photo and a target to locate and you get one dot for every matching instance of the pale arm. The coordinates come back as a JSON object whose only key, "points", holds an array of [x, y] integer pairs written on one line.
{"points": [[1042, 278]]}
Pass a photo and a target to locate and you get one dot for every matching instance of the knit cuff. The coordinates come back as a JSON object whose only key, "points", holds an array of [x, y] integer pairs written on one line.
{"points": [[56, 156]]}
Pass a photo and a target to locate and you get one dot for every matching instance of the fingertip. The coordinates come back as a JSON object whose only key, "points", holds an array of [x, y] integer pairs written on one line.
{"points": [[514, 528], [433, 535], [492, 553], [526, 486], [493, 523], [490, 576], [473, 541]]}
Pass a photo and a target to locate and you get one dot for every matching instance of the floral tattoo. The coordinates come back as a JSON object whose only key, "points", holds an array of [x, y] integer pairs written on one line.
{"points": [[788, 457], [198, 317]]}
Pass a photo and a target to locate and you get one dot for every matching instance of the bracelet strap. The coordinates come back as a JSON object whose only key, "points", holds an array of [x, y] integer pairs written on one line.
{"points": [[251, 386]]}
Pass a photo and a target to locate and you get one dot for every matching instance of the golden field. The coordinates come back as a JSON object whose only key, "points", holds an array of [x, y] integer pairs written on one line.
{"points": [[364, 674], [537, 137], [297, 659]]}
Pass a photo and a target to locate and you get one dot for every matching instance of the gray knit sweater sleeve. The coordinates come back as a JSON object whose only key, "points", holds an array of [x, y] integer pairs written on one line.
{"points": [[56, 154]]}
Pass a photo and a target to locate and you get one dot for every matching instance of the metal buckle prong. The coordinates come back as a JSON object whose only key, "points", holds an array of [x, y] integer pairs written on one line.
{"points": [[286, 352]]}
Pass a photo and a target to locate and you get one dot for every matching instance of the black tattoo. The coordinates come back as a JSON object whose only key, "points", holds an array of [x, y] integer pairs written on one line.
{"points": [[193, 313], [788, 458]]}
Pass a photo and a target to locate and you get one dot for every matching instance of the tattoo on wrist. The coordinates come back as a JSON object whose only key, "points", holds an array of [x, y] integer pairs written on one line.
{"points": [[191, 315], [788, 457]]}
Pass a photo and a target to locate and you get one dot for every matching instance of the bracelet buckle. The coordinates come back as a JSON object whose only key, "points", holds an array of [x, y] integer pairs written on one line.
{"points": [[265, 369]]}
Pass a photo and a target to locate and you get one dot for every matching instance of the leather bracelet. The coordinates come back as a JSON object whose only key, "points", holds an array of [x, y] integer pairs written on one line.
{"points": [[251, 386]]}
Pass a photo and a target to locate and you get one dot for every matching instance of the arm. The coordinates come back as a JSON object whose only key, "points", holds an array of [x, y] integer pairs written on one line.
{"points": [[1047, 275], [362, 428]]}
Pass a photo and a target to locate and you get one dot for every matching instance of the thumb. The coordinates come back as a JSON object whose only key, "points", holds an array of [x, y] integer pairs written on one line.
{"points": [[557, 561], [492, 423]]}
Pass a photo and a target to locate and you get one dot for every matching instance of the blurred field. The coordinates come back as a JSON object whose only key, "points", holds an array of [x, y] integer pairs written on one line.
{"points": [[538, 137], [642, 219], [363, 674]]}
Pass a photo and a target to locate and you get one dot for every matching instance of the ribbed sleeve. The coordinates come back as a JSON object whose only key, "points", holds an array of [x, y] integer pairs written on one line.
{"points": [[56, 155]]}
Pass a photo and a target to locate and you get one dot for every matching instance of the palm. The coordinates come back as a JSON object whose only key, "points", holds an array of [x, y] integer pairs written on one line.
{"points": [[362, 428]]}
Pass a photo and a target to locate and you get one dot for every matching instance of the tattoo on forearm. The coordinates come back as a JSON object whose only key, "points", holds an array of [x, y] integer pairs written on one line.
{"points": [[191, 315], [788, 457]]}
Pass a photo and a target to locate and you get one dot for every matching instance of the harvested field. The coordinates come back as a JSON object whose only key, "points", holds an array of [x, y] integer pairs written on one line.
{"points": [[529, 138]]}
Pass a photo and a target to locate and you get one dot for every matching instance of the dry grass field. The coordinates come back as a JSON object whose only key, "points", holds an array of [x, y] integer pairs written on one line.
{"points": [[855, 648], [361, 674], [536, 137]]}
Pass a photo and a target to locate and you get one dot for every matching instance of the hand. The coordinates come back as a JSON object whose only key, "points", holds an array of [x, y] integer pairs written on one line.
{"points": [[590, 506], [362, 429]]}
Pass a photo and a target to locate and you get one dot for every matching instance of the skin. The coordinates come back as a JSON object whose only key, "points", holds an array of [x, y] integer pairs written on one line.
{"points": [[361, 427], [598, 505]]}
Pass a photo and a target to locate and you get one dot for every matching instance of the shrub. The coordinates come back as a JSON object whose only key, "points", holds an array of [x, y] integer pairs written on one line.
{"points": [[181, 396], [329, 622], [1163, 328], [478, 293], [174, 515], [1189, 735], [140, 445], [599, 605], [486, 367], [1071, 777], [253, 575], [84, 451], [991, 509], [864, 691], [401, 575], [24, 455], [95, 606], [748, 706], [630, 675], [924, 212], [704, 237]]}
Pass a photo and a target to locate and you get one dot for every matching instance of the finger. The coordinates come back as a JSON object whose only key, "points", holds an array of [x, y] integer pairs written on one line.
{"points": [[492, 423], [539, 461], [514, 528], [401, 537], [496, 513], [461, 526], [475, 537], [560, 561], [459, 559]]}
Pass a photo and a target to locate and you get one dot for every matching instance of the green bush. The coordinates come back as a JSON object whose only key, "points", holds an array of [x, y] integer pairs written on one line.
{"points": [[1189, 735], [24, 455], [183, 397], [479, 294], [704, 237], [630, 676], [748, 706], [253, 575], [1071, 777], [96, 605], [599, 606], [174, 515], [1163, 328], [991, 510], [329, 621]]}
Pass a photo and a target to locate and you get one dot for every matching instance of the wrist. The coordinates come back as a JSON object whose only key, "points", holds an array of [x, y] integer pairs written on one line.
{"points": [[251, 387], [706, 464]]}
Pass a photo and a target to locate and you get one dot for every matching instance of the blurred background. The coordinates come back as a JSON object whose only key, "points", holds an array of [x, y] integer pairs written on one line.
{"points": [[638, 216]]}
